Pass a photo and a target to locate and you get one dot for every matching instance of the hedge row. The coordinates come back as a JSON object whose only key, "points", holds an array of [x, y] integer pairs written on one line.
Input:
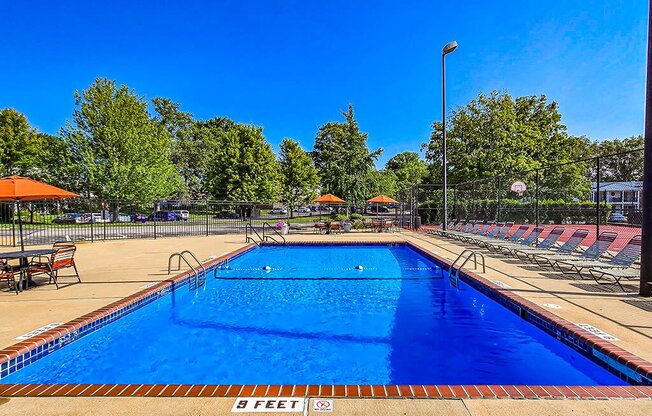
{"points": [[550, 211]]}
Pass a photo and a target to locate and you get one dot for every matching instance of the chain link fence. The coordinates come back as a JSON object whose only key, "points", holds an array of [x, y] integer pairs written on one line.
{"points": [[598, 194]]}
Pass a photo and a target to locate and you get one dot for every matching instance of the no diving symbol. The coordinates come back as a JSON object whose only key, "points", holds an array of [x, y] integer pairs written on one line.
{"points": [[322, 405]]}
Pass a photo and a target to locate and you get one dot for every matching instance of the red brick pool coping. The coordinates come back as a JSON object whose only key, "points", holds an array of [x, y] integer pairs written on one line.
{"points": [[623, 357]]}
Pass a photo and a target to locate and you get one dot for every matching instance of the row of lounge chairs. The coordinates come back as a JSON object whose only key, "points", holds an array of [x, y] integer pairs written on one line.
{"points": [[569, 257]]}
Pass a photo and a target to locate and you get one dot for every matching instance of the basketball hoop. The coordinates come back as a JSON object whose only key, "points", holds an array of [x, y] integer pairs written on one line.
{"points": [[518, 187]]}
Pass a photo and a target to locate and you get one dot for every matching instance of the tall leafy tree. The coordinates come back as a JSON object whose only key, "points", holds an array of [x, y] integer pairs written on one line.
{"points": [[626, 164], [299, 175], [242, 165], [187, 153], [497, 135], [409, 169], [25, 151], [120, 151], [381, 182], [343, 159]]}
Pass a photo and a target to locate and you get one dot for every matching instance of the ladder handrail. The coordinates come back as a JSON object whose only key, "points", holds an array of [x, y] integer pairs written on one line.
{"points": [[201, 266], [253, 230], [195, 272], [266, 224], [454, 273]]}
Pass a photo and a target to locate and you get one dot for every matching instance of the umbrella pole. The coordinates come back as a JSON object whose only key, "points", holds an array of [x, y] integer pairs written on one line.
{"points": [[20, 229]]}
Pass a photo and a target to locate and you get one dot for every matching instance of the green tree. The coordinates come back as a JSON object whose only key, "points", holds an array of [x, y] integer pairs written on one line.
{"points": [[20, 145], [120, 151], [242, 165], [626, 164], [498, 135], [299, 175], [381, 182], [187, 153], [25, 151], [343, 159], [408, 168]]}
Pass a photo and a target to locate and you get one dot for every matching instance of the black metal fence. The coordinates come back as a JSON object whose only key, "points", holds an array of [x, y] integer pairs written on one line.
{"points": [[600, 194], [83, 219]]}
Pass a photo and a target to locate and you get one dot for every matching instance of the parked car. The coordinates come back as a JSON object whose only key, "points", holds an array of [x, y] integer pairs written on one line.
{"points": [[383, 209], [322, 208], [228, 215], [617, 217], [70, 218], [278, 211], [136, 217], [183, 214], [164, 216], [303, 210], [94, 217]]}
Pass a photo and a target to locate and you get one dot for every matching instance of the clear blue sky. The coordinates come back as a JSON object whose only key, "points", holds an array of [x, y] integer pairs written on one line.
{"points": [[291, 66]]}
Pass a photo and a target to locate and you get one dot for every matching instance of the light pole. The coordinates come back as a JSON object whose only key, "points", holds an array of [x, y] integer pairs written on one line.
{"points": [[448, 48], [645, 288]]}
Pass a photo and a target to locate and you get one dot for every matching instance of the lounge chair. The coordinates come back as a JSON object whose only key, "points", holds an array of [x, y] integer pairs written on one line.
{"points": [[471, 228], [547, 243], [477, 233], [594, 252], [63, 258], [508, 248], [568, 247], [464, 229], [513, 239], [441, 232], [499, 237], [438, 231], [617, 267], [490, 235]]}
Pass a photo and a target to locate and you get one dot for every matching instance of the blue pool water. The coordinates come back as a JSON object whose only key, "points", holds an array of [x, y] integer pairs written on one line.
{"points": [[316, 319]]}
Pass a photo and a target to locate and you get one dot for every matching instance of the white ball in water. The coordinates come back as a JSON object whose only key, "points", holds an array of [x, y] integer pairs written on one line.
{"points": [[359, 267], [268, 268]]}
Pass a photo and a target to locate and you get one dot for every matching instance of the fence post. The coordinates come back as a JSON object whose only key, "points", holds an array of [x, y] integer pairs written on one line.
{"points": [[13, 223], [207, 213], [90, 205], [500, 199], [536, 207], [597, 197]]}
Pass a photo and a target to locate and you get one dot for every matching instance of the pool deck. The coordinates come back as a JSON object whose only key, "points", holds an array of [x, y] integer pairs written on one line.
{"points": [[115, 269]]}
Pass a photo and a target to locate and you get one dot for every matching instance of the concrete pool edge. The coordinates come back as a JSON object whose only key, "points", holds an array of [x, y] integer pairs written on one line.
{"points": [[70, 331]]}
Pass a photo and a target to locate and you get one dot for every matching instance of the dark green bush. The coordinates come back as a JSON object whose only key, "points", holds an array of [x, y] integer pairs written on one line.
{"points": [[356, 216]]}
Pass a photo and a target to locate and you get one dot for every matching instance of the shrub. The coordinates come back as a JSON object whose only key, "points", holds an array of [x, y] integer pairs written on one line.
{"points": [[355, 216], [338, 217]]}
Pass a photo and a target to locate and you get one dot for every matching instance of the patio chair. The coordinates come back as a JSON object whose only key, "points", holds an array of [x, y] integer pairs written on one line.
{"points": [[63, 258], [568, 247], [594, 252], [7, 273], [507, 247], [319, 227], [547, 243], [513, 239], [335, 227], [615, 274]]}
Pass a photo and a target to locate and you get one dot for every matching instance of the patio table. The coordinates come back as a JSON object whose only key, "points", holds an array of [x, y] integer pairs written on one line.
{"points": [[23, 255]]}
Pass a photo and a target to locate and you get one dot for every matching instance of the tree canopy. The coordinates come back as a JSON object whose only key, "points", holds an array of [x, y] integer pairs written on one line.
{"points": [[343, 158], [498, 135], [409, 169], [120, 152], [299, 175]]}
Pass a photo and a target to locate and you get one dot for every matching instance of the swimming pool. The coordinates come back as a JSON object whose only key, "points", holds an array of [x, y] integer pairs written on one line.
{"points": [[317, 318]]}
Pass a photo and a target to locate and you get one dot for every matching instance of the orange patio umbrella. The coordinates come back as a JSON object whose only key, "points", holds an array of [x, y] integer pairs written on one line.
{"points": [[382, 199], [19, 188], [329, 199]]}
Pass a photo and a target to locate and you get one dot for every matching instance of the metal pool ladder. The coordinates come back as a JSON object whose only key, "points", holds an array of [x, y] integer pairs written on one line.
{"points": [[198, 272], [466, 255]]}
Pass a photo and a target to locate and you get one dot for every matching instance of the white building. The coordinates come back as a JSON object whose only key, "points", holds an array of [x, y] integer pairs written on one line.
{"points": [[623, 196]]}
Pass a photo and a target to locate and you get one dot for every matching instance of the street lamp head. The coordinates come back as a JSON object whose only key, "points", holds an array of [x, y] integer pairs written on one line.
{"points": [[450, 47]]}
